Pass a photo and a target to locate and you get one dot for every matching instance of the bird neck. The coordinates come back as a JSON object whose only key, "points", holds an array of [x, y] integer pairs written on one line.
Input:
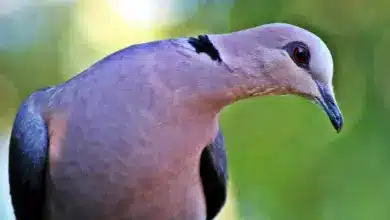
{"points": [[235, 77]]}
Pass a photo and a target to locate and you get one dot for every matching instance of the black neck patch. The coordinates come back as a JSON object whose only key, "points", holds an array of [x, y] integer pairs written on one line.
{"points": [[202, 44]]}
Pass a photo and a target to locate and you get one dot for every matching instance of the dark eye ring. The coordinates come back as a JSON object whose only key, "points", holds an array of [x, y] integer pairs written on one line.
{"points": [[301, 55]]}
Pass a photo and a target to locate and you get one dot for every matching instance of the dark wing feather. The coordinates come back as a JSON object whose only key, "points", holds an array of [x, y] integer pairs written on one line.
{"points": [[214, 175], [28, 152]]}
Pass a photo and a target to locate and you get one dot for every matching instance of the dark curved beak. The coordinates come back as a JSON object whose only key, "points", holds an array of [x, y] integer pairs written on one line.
{"points": [[329, 105]]}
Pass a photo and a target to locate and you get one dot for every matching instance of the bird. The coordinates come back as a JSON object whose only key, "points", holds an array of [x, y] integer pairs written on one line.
{"points": [[136, 135]]}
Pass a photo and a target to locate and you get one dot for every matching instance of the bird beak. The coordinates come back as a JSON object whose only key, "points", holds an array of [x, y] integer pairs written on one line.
{"points": [[328, 103]]}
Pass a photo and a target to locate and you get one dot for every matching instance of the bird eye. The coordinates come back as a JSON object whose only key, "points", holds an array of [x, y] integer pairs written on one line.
{"points": [[301, 55]]}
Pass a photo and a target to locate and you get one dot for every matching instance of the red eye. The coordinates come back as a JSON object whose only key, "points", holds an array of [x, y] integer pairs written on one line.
{"points": [[301, 55]]}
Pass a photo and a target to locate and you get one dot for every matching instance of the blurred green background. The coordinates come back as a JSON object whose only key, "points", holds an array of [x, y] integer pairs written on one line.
{"points": [[285, 160]]}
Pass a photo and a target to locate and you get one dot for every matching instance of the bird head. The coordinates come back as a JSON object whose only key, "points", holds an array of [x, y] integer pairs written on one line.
{"points": [[296, 60]]}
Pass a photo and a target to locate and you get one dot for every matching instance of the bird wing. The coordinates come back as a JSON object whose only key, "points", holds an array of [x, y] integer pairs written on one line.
{"points": [[28, 153], [214, 175]]}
